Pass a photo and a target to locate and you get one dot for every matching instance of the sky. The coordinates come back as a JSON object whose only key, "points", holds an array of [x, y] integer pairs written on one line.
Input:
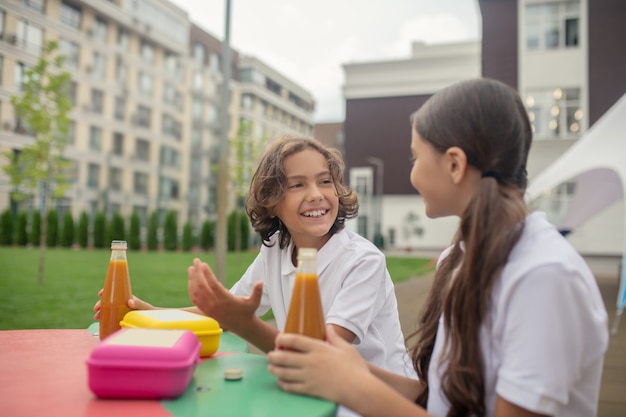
{"points": [[309, 41]]}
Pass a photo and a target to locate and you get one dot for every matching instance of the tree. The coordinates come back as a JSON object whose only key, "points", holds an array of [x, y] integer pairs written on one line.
{"points": [[67, 232], [188, 238], [42, 109], [35, 229], [99, 230], [21, 237], [245, 151], [207, 235], [170, 231], [118, 229], [52, 232], [134, 235], [6, 230], [153, 231], [83, 230]]}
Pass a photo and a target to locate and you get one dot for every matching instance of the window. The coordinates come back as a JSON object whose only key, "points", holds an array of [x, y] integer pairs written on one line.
{"points": [[214, 61], [552, 25], [198, 81], [555, 113], [97, 65], [145, 84], [115, 179], [172, 64], [2, 17], [172, 96], [143, 116], [120, 108], [170, 157], [170, 126], [120, 72], [100, 30], [70, 15], [29, 36], [142, 150], [196, 109], [95, 138], [168, 188], [199, 53], [71, 50], [147, 51], [122, 39], [93, 175], [142, 212], [246, 102], [72, 93], [140, 183], [38, 5], [97, 101], [118, 144], [69, 137]]}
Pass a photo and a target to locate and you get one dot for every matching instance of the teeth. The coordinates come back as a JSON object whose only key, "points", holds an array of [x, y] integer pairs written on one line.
{"points": [[315, 213]]}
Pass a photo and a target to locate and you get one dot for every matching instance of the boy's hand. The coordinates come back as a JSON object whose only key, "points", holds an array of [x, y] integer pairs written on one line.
{"points": [[134, 304]]}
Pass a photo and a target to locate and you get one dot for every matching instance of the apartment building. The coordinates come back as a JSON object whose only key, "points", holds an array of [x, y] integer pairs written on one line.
{"points": [[566, 59], [380, 96], [146, 89]]}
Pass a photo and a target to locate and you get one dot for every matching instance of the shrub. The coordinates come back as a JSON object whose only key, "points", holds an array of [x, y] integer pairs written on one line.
{"points": [[99, 230], [170, 237], [134, 234], [238, 240], [35, 229], [117, 230], [188, 239], [153, 231], [67, 233], [207, 235], [21, 236], [6, 228], [52, 233], [83, 230]]}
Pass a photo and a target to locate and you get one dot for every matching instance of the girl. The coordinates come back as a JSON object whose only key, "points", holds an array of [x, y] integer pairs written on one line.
{"points": [[514, 324]]}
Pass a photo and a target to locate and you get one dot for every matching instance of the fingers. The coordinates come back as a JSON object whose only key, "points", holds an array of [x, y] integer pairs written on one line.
{"points": [[296, 342]]}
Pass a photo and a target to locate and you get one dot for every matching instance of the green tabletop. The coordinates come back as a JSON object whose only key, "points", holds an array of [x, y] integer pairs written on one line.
{"points": [[228, 341], [256, 394]]}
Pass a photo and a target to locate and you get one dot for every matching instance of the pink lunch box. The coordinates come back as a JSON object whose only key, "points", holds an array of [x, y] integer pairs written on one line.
{"points": [[143, 363]]}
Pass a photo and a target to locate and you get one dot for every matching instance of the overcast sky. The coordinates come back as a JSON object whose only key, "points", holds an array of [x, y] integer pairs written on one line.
{"points": [[309, 41]]}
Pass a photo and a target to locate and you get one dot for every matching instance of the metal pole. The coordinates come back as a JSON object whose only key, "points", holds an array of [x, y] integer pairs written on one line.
{"points": [[221, 238], [380, 166]]}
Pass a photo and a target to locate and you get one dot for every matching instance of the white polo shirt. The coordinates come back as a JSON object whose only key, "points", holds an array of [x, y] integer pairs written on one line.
{"points": [[546, 332], [356, 290]]}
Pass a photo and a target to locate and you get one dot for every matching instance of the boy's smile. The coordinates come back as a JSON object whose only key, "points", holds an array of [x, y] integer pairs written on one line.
{"points": [[310, 204]]}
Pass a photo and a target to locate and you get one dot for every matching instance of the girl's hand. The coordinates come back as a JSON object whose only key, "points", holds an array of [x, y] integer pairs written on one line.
{"points": [[134, 304], [210, 296], [309, 366]]}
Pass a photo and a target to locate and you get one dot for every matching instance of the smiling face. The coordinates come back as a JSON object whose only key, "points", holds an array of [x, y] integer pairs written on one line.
{"points": [[310, 204], [430, 176]]}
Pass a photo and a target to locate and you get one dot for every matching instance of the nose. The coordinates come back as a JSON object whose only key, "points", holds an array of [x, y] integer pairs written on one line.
{"points": [[315, 194]]}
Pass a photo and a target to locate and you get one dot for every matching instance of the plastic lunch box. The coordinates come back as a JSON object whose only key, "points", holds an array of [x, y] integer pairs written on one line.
{"points": [[205, 328], [143, 363]]}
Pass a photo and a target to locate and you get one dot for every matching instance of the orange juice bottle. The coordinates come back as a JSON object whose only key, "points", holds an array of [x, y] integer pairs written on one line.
{"points": [[116, 292], [306, 315]]}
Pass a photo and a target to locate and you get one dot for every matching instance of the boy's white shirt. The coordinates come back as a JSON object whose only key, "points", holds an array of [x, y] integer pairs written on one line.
{"points": [[356, 290], [546, 332]]}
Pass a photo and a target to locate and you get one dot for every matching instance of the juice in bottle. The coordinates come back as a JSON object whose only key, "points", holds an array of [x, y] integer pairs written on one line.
{"points": [[306, 315], [116, 292]]}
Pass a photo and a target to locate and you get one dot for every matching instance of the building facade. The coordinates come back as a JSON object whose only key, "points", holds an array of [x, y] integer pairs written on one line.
{"points": [[565, 57], [146, 93]]}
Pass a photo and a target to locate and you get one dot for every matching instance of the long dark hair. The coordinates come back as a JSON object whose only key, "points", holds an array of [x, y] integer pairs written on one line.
{"points": [[488, 121], [269, 183]]}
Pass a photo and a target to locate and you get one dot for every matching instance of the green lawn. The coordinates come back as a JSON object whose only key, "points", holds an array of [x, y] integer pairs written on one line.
{"points": [[73, 278]]}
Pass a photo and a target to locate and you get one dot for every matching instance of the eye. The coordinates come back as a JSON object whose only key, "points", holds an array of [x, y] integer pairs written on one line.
{"points": [[412, 159], [295, 185], [327, 181]]}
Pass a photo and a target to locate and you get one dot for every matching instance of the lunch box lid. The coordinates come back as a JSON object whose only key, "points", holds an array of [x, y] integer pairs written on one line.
{"points": [[146, 348], [172, 319]]}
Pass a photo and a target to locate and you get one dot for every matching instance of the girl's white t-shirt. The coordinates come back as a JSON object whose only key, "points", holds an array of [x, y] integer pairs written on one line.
{"points": [[546, 333]]}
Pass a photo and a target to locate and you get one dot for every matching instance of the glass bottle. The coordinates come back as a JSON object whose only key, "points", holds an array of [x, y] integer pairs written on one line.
{"points": [[306, 315], [116, 292]]}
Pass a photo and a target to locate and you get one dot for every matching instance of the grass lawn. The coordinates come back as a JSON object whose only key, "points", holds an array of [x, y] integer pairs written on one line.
{"points": [[73, 278]]}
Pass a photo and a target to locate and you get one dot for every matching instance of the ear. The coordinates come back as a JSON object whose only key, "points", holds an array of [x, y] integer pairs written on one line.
{"points": [[457, 163]]}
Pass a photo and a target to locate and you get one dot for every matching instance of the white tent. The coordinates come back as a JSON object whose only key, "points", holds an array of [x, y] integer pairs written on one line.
{"points": [[597, 162]]}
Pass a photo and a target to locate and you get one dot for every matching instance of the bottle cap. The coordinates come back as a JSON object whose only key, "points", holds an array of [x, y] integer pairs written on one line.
{"points": [[307, 253], [118, 245], [233, 374]]}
